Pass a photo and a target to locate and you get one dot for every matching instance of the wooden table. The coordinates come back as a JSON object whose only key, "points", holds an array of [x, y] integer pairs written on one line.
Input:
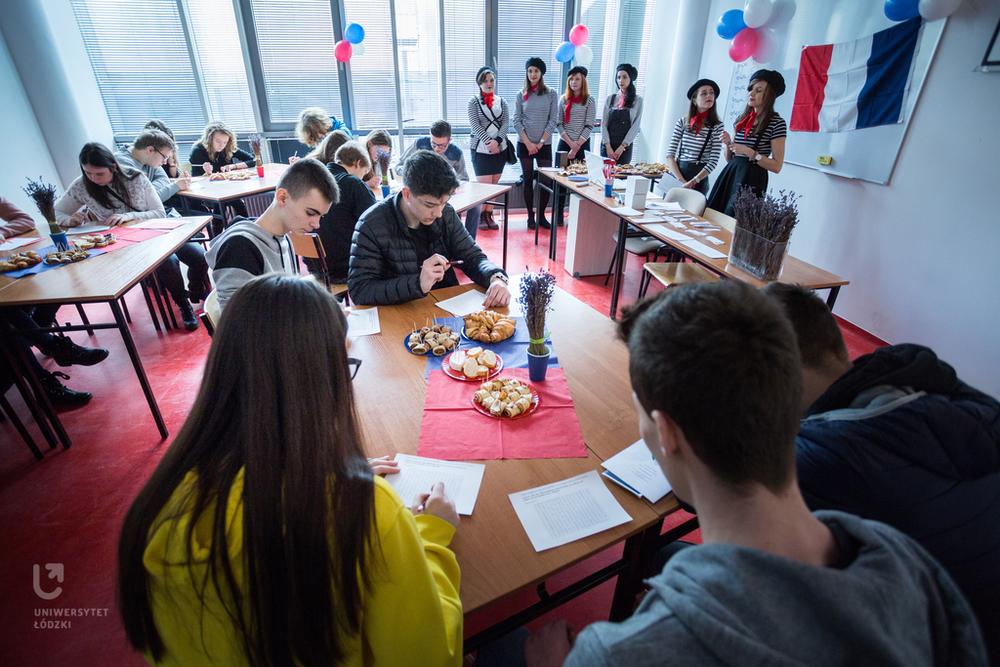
{"points": [[494, 552], [794, 271], [472, 193], [217, 193], [104, 278]]}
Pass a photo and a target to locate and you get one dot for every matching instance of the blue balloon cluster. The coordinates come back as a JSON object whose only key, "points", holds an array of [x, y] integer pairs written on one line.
{"points": [[731, 23], [354, 33], [901, 10], [565, 52]]}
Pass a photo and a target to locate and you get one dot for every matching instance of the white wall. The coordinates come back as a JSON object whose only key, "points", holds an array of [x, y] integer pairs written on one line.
{"points": [[922, 252]]}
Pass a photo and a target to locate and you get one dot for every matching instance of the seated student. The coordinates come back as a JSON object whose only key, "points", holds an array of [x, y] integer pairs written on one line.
{"points": [[13, 221], [251, 248], [326, 150], [379, 146], [313, 126], [897, 437], [217, 152], [718, 387], [336, 228], [404, 246], [440, 143], [151, 150], [172, 167], [264, 536]]}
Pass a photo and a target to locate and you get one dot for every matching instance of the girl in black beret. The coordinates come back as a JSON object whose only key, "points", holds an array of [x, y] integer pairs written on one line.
{"points": [[536, 110], [694, 147], [620, 120], [489, 119], [577, 113], [757, 145]]}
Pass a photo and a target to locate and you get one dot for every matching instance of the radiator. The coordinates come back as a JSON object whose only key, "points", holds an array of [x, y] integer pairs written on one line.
{"points": [[257, 204]]}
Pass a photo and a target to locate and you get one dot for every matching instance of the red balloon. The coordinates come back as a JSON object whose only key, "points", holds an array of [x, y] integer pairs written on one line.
{"points": [[578, 34], [743, 45], [342, 50]]}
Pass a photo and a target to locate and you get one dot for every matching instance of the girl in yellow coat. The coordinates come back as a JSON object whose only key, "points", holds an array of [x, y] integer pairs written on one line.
{"points": [[264, 536]]}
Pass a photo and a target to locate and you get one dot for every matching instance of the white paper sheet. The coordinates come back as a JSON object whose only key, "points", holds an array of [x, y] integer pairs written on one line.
{"points": [[705, 250], [695, 232], [15, 243], [635, 466], [660, 228], [562, 512], [464, 303], [418, 474], [87, 229], [665, 205], [714, 241], [626, 211], [550, 170], [363, 322], [704, 225]]}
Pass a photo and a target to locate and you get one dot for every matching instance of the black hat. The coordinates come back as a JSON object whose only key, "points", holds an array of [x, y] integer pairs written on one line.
{"points": [[773, 78], [485, 68], [631, 71], [579, 69], [703, 82], [535, 61]]}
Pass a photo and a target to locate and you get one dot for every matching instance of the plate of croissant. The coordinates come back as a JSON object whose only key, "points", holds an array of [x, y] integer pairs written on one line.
{"points": [[488, 326], [505, 398], [472, 365], [20, 260]]}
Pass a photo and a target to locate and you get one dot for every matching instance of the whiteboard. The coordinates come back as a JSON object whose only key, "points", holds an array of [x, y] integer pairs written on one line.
{"points": [[868, 154]]}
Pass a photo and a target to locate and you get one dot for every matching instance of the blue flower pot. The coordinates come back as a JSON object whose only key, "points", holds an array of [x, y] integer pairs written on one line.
{"points": [[538, 365], [385, 191], [62, 243]]}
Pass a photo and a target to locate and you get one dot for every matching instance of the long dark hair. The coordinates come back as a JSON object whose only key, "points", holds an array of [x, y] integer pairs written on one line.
{"points": [[712, 118], [764, 119], [97, 155], [276, 403]]}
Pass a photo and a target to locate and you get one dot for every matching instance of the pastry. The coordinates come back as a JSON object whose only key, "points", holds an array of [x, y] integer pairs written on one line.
{"points": [[438, 339], [489, 326], [505, 397], [20, 260]]}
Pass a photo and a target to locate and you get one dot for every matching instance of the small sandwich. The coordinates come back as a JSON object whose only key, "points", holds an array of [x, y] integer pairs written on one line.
{"points": [[457, 360]]}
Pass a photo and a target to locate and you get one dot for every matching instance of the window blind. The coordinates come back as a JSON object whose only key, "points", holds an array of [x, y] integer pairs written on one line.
{"points": [[636, 27], [418, 43], [141, 63], [465, 53], [599, 17], [213, 28], [296, 41], [373, 74], [527, 29]]}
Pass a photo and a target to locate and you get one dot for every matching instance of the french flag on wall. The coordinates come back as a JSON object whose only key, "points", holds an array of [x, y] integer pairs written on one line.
{"points": [[857, 84]]}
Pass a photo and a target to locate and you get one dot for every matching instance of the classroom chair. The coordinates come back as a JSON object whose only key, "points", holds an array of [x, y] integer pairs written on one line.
{"points": [[211, 312], [719, 218], [311, 246]]}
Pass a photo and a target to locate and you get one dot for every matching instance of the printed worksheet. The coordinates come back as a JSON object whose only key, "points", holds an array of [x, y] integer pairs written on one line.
{"points": [[636, 467], [562, 512], [363, 322], [418, 474]]}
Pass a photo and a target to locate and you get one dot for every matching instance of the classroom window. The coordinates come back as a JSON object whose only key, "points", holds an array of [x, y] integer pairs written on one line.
{"points": [[527, 29], [464, 53], [373, 74]]}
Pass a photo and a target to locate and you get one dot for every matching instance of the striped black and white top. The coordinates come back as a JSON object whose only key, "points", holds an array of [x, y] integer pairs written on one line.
{"points": [[581, 119], [483, 125], [776, 129], [537, 116], [702, 147]]}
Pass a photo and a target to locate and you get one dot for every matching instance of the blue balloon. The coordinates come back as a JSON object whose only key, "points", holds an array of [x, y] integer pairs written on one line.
{"points": [[730, 24], [901, 10], [565, 52], [354, 34]]}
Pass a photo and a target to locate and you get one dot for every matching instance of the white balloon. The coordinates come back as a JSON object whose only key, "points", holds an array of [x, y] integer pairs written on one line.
{"points": [[756, 13], [584, 55], [932, 10], [358, 49], [767, 44]]}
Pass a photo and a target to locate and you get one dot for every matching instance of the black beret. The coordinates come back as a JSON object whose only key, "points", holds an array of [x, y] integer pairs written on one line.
{"points": [[703, 82], [773, 78], [485, 68], [579, 69], [535, 61], [631, 71]]}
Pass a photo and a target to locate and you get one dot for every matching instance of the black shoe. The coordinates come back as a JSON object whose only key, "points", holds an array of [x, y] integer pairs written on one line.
{"points": [[531, 220], [187, 314], [67, 353], [543, 223], [196, 293], [58, 394]]}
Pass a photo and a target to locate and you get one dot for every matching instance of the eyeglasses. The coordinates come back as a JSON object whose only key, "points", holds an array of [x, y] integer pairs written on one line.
{"points": [[166, 158], [355, 364], [442, 145]]}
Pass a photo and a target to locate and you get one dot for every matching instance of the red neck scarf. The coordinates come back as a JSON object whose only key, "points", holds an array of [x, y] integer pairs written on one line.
{"points": [[529, 91], [747, 123], [621, 100], [488, 99], [698, 120], [570, 102]]}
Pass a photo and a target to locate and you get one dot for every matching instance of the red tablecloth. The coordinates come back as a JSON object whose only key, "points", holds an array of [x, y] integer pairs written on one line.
{"points": [[453, 430]]}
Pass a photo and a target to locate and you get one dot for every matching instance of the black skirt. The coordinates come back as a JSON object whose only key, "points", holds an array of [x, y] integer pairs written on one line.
{"points": [[488, 164], [740, 171]]}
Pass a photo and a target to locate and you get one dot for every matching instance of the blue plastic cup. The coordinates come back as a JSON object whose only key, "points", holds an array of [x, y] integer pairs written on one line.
{"points": [[609, 189], [62, 243], [385, 191], [538, 365]]}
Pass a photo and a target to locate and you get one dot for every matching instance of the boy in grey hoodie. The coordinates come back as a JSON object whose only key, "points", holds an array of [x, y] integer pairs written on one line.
{"points": [[305, 192], [774, 584]]}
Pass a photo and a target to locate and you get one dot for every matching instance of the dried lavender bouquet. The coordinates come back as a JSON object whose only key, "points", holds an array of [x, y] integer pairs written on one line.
{"points": [[537, 290], [45, 199]]}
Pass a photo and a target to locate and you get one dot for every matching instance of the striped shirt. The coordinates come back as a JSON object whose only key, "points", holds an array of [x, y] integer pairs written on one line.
{"points": [[581, 120], [687, 146], [776, 129], [483, 127], [537, 116]]}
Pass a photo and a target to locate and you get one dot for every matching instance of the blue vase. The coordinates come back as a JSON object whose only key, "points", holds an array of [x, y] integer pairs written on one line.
{"points": [[538, 364], [62, 243], [385, 191]]}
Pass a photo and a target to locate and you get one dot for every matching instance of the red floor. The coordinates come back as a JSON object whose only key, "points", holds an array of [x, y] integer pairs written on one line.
{"points": [[68, 508]]}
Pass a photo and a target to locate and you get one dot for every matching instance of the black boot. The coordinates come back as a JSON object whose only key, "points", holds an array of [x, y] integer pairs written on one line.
{"points": [[531, 219], [542, 222], [58, 394], [187, 314], [67, 353]]}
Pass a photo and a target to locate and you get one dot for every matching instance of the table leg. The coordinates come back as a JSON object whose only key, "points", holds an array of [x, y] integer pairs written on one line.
{"points": [[6, 407], [144, 288], [555, 223], [639, 553], [134, 355], [34, 395], [832, 299], [83, 318], [616, 287], [506, 207]]}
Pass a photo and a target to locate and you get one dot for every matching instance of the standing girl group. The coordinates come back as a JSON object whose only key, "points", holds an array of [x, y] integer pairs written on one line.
{"points": [[538, 113]]}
